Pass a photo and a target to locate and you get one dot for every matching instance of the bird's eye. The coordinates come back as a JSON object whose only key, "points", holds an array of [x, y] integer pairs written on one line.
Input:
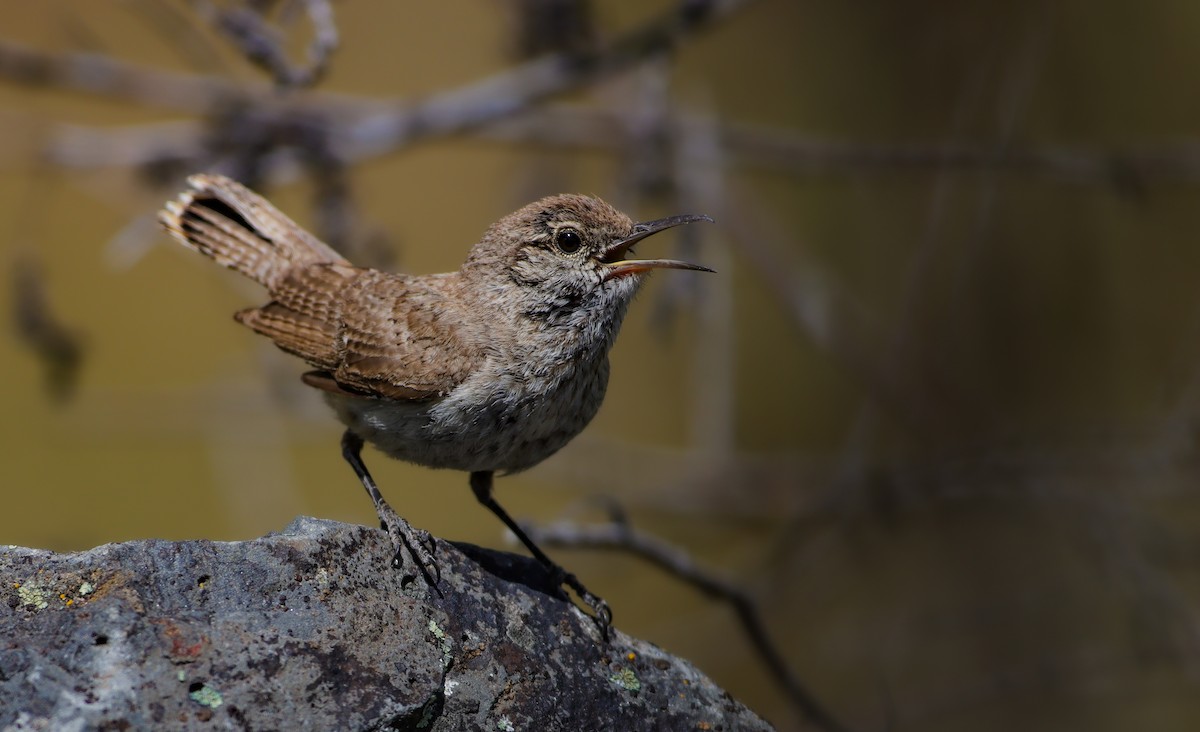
{"points": [[568, 241]]}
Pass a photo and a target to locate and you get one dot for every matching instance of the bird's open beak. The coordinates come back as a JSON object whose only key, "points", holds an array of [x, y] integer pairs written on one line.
{"points": [[617, 267]]}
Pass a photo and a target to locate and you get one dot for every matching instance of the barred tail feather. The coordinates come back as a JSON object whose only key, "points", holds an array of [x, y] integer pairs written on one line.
{"points": [[239, 229]]}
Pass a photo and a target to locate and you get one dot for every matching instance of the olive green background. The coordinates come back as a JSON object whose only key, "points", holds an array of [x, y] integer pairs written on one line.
{"points": [[1011, 544]]}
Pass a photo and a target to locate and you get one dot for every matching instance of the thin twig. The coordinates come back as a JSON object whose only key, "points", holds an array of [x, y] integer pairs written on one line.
{"points": [[619, 535]]}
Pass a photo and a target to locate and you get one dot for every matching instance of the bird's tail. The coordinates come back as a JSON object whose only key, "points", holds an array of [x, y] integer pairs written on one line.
{"points": [[239, 229]]}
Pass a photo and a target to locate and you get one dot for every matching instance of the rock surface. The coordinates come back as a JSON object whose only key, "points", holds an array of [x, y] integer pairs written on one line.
{"points": [[312, 629]]}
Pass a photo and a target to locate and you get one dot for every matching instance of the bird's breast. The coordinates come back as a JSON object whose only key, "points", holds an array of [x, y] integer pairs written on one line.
{"points": [[506, 416]]}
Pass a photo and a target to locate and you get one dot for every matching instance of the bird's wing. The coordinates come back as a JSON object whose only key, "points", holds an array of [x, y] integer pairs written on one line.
{"points": [[403, 337], [369, 333]]}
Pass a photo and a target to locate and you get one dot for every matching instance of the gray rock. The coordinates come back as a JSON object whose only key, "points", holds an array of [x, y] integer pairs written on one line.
{"points": [[312, 629]]}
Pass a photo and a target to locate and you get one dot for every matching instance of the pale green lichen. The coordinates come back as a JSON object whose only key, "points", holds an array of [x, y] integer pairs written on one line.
{"points": [[86, 588], [207, 696], [31, 594], [441, 635], [436, 630], [626, 679], [505, 725], [181, 675]]}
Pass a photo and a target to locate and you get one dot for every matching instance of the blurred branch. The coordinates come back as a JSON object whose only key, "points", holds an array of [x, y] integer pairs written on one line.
{"points": [[499, 107], [58, 347], [542, 26], [696, 186], [510, 92], [492, 98], [620, 535], [785, 151], [261, 43], [116, 80], [744, 146], [820, 308]]}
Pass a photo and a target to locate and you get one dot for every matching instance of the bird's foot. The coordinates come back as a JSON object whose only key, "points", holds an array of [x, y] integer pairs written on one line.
{"points": [[418, 543], [601, 613]]}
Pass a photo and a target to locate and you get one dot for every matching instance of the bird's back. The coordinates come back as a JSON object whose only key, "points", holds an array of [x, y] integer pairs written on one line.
{"points": [[369, 333]]}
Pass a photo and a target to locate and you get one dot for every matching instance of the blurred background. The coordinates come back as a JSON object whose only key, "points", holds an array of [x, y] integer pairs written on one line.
{"points": [[936, 414]]}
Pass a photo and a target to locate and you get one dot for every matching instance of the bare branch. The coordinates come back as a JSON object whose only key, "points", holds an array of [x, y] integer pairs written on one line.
{"points": [[619, 535]]}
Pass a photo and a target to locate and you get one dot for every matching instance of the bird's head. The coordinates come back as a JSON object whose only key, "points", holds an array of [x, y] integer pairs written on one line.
{"points": [[570, 256]]}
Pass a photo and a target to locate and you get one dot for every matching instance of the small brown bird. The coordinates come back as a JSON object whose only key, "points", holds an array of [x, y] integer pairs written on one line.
{"points": [[490, 368]]}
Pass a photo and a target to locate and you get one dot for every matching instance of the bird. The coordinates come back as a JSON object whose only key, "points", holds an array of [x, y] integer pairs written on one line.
{"points": [[488, 369]]}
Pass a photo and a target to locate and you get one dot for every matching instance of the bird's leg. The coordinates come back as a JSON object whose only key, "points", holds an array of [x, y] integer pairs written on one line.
{"points": [[481, 484], [418, 541]]}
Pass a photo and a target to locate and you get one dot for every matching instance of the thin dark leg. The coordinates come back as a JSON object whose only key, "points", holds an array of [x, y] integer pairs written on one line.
{"points": [[481, 484], [418, 542]]}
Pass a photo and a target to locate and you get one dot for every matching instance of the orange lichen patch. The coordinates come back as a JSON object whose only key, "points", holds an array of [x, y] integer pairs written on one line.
{"points": [[184, 646], [631, 656], [117, 585]]}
